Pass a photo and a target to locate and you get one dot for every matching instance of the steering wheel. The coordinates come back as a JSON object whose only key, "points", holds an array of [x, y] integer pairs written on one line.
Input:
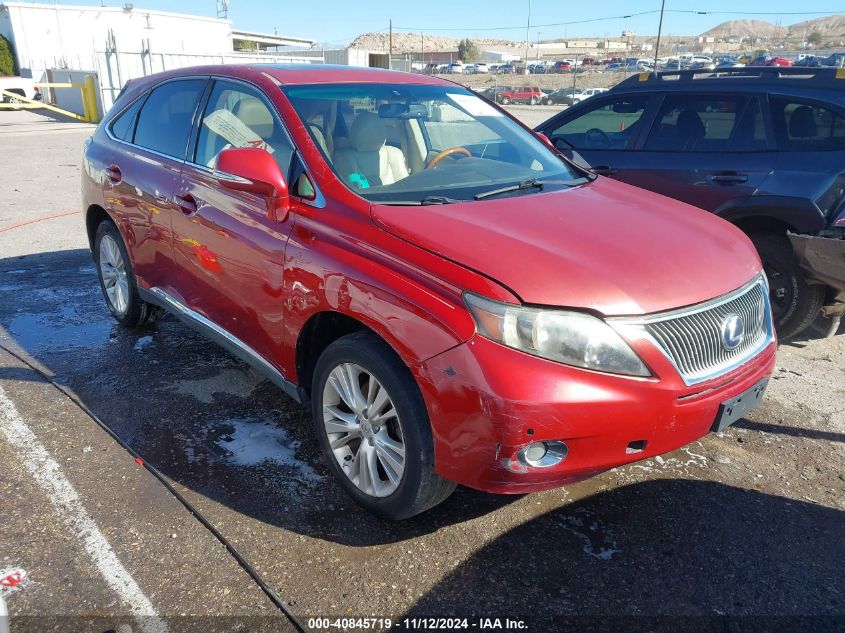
{"points": [[448, 152], [603, 139]]}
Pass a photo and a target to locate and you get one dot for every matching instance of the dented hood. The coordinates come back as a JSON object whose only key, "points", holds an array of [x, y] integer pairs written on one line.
{"points": [[606, 246]]}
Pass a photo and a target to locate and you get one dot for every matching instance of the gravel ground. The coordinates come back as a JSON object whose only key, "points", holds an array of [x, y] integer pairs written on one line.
{"points": [[749, 522]]}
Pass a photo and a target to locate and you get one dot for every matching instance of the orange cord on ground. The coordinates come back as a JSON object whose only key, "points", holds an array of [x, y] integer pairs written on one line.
{"points": [[38, 219]]}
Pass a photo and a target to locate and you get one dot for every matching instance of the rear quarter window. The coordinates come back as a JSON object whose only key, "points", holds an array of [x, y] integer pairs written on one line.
{"points": [[802, 126], [164, 122]]}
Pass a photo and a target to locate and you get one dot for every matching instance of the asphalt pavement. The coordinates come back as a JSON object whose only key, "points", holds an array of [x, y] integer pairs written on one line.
{"points": [[749, 522]]}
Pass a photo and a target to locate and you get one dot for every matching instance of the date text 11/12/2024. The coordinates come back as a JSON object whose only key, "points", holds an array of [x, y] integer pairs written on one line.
{"points": [[416, 624]]}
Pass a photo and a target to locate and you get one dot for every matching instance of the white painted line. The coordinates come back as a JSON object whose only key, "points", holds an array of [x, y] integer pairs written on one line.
{"points": [[68, 507]]}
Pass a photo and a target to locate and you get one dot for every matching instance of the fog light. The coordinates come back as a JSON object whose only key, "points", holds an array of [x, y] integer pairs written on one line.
{"points": [[543, 454], [535, 452]]}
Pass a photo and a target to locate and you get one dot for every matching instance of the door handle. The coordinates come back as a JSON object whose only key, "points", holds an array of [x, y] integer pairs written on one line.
{"points": [[187, 203], [604, 170], [729, 178], [113, 174]]}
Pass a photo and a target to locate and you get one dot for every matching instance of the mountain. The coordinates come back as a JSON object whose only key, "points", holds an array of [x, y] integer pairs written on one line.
{"points": [[830, 26]]}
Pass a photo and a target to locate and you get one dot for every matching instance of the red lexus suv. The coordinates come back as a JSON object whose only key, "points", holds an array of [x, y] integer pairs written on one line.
{"points": [[454, 301]]}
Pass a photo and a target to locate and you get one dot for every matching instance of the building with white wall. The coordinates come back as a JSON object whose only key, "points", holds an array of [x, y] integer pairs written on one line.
{"points": [[120, 43]]}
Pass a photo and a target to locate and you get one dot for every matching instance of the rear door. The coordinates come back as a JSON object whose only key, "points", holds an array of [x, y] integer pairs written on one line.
{"points": [[229, 252], [810, 137], [603, 131], [142, 171], [709, 150]]}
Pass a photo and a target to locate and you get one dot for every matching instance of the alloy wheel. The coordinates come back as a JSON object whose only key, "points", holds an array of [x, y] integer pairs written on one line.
{"points": [[364, 430], [113, 274]]}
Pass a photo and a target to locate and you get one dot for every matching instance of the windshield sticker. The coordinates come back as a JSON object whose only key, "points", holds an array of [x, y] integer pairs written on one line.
{"points": [[475, 106], [236, 132]]}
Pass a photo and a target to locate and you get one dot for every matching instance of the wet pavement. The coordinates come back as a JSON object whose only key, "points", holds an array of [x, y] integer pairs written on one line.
{"points": [[750, 522]]}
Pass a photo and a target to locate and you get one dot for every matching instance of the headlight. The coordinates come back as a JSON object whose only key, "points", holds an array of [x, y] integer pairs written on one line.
{"points": [[572, 338]]}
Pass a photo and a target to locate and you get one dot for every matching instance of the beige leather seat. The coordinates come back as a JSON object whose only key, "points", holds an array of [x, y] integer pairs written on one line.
{"points": [[368, 154], [256, 116]]}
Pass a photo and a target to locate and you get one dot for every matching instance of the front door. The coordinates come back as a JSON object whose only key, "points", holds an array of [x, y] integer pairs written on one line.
{"points": [[229, 253], [708, 150], [603, 133]]}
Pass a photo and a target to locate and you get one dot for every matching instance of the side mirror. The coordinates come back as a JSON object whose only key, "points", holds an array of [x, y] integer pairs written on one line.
{"points": [[546, 141], [255, 171]]}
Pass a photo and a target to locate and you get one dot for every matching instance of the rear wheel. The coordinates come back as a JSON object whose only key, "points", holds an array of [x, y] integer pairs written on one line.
{"points": [[374, 430], [117, 281], [795, 302], [505, 100]]}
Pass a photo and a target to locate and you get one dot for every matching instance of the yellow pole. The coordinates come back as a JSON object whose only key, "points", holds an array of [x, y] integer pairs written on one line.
{"points": [[89, 99]]}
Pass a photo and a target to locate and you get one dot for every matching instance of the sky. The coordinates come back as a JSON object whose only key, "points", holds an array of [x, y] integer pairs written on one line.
{"points": [[336, 22]]}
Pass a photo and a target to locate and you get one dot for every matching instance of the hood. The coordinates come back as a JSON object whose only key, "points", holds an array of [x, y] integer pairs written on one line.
{"points": [[606, 246]]}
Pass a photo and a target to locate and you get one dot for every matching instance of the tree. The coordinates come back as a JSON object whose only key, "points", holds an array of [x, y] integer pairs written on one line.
{"points": [[467, 51], [815, 38], [7, 58]]}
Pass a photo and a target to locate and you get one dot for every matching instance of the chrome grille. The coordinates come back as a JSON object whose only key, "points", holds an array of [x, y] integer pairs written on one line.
{"points": [[692, 337]]}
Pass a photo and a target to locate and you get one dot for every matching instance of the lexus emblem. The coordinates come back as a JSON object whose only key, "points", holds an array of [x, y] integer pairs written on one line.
{"points": [[733, 331]]}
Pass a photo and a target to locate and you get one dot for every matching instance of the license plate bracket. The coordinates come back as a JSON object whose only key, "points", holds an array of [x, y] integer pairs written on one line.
{"points": [[732, 410]]}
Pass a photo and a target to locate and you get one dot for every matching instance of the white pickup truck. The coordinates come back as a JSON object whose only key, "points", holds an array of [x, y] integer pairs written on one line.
{"points": [[22, 86]]}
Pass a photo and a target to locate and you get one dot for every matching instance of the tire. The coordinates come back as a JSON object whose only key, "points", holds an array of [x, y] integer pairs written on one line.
{"points": [[795, 302], [369, 435], [505, 100], [117, 282]]}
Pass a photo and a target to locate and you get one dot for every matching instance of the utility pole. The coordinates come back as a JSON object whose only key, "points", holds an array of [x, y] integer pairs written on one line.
{"points": [[527, 38], [390, 45], [538, 46], [659, 30], [422, 50]]}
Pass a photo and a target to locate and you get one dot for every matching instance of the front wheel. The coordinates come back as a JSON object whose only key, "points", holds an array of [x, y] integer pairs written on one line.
{"points": [[795, 302], [505, 100], [374, 430]]}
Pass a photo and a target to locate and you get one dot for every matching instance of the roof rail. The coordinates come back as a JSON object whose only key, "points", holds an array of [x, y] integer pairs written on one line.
{"points": [[824, 75]]}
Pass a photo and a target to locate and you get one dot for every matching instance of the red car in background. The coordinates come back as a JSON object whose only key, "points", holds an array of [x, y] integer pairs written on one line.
{"points": [[454, 302], [531, 95]]}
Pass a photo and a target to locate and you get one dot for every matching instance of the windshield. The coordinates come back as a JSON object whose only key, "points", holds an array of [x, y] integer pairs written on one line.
{"points": [[399, 143]]}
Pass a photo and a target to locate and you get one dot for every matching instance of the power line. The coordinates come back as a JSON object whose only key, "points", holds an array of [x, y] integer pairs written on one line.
{"points": [[617, 17]]}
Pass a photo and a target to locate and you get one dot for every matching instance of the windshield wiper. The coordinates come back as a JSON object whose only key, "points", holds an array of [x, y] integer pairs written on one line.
{"points": [[428, 200], [531, 183]]}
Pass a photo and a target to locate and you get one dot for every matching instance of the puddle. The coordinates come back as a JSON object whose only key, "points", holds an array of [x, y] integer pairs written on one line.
{"points": [[143, 343], [228, 381], [247, 443], [597, 541], [60, 330]]}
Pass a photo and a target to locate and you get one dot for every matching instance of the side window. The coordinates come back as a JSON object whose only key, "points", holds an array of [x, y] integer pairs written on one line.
{"points": [[801, 126], [707, 123], [164, 123], [123, 127], [237, 117], [606, 125]]}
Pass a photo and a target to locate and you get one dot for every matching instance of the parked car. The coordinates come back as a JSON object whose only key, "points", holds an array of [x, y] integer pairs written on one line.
{"points": [[491, 93], [586, 93], [525, 94], [23, 86], [561, 96], [410, 294], [835, 60], [560, 67], [615, 68], [728, 64], [711, 142], [505, 69], [456, 68]]}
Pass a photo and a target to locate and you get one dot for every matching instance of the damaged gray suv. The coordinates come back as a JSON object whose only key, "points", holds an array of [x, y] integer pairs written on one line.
{"points": [[763, 148]]}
